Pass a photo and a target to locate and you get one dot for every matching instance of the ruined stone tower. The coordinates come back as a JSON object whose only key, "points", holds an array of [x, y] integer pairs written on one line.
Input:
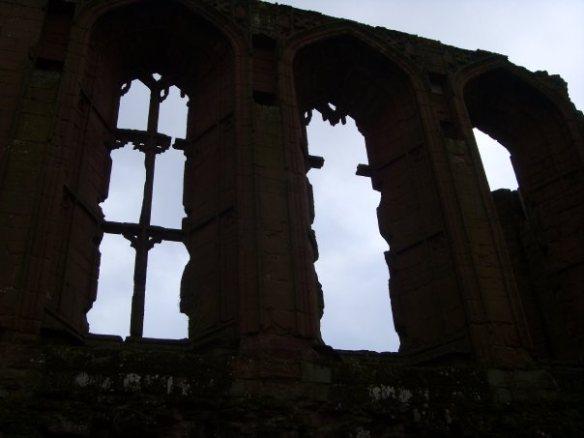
{"points": [[487, 289]]}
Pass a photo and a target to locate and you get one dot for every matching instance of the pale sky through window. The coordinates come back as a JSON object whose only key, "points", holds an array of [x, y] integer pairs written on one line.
{"points": [[536, 34], [111, 311]]}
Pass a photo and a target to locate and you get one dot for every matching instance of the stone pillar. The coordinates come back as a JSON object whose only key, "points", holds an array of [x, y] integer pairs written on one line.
{"points": [[482, 264], [29, 194], [209, 288], [285, 310]]}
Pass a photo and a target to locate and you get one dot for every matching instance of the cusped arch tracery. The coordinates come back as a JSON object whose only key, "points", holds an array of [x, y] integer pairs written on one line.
{"points": [[341, 73], [90, 14], [165, 38]]}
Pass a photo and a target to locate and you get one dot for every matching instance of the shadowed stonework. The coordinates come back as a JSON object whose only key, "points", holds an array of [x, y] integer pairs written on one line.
{"points": [[487, 289]]}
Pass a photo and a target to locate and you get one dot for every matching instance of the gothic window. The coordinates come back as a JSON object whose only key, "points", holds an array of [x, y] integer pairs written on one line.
{"points": [[142, 230], [537, 226], [349, 243], [340, 77]]}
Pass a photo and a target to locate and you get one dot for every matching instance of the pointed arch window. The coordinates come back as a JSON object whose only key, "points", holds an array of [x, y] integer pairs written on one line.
{"points": [[143, 235]]}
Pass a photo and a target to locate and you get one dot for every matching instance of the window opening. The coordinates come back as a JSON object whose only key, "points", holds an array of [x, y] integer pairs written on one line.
{"points": [[111, 312], [126, 185], [133, 110], [167, 204], [496, 162], [162, 318], [351, 266], [143, 234]]}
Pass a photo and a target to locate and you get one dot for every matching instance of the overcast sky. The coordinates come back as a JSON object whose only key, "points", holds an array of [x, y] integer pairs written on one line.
{"points": [[539, 35]]}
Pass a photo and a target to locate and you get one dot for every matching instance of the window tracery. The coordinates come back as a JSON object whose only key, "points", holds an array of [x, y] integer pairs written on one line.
{"points": [[143, 235]]}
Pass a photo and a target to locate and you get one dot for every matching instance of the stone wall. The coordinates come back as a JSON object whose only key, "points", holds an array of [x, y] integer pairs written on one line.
{"points": [[487, 288], [108, 389]]}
